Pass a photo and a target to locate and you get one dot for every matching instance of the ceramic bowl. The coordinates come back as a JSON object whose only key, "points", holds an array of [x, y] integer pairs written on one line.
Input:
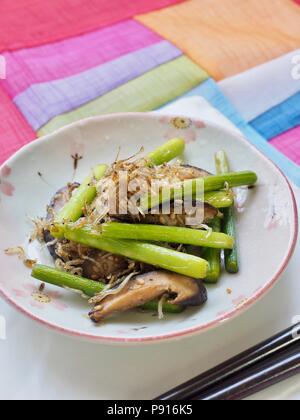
{"points": [[266, 218]]}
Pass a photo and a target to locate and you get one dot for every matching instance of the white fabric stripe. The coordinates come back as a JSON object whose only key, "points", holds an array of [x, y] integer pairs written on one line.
{"points": [[272, 82]]}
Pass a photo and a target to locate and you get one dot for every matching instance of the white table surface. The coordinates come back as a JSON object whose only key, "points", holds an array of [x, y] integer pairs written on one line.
{"points": [[39, 364], [36, 363]]}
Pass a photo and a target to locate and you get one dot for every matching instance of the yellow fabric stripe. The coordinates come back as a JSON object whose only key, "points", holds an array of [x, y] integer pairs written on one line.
{"points": [[145, 93]]}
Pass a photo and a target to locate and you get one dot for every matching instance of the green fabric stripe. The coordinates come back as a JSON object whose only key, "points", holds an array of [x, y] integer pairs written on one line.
{"points": [[146, 93]]}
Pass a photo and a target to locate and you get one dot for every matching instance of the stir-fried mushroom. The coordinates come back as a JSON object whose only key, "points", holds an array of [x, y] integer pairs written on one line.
{"points": [[143, 288], [98, 265], [174, 218], [175, 215], [194, 214], [77, 259], [58, 201], [91, 263], [192, 172]]}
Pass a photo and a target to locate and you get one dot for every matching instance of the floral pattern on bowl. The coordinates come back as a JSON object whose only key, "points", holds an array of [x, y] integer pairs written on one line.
{"points": [[182, 127], [6, 188], [39, 298]]}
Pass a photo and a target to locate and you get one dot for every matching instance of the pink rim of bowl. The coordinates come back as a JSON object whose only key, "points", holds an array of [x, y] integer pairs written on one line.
{"points": [[189, 331]]}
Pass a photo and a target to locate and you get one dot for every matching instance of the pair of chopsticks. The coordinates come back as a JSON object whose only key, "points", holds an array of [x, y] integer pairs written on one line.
{"points": [[266, 364]]}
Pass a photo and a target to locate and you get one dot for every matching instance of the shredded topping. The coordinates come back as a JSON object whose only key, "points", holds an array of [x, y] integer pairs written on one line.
{"points": [[113, 289], [21, 254], [208, 229], [68, 267], [226, 186], [140, 179], [160, 307], [40, 225]]}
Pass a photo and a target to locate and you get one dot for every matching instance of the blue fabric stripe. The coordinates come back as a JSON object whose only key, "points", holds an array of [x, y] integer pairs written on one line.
{"points": [[279, 119], [211, 92]]}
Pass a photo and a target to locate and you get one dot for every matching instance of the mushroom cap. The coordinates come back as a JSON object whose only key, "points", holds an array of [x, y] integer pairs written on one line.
{"points": [[144, 288], [194, 172], [57, 202], [204, 212], [158, 217], [96, 264]]}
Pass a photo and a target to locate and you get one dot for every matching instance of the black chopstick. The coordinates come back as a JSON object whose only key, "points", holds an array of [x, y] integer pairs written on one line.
{"points": [[255, 379], [232, 368]]}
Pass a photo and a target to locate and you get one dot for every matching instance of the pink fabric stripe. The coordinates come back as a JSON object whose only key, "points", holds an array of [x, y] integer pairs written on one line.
{"points": [[44, 101], [66, 58], [31, 23], [15, 132], [289, 144]]}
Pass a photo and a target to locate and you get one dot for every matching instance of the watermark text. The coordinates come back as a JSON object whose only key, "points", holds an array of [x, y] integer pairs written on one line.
{"points": [[296, 67], [125, 196], [2, 328], [2, 67]]}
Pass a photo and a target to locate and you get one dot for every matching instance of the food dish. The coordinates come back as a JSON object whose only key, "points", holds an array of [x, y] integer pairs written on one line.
{"points": [[143, 232], [202, 134]]}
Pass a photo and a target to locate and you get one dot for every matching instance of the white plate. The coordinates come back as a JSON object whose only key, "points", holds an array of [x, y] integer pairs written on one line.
{"points": [[267, 225]]}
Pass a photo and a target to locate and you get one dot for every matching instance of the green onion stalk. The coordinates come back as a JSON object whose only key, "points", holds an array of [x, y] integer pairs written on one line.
{"points": [[87, 287], [167, 152], [193, 188], [218, 199], [229, 222], [213, 256], [86, 193], [169, 234], [147, 253]]}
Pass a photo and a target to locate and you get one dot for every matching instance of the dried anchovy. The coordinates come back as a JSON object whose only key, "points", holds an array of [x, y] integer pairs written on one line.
{"points": [[21, 254], [140, 178], [113, 289]]}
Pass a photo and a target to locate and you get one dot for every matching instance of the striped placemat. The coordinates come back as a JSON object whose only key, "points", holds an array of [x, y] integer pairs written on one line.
{"points": [[61, 61]]}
